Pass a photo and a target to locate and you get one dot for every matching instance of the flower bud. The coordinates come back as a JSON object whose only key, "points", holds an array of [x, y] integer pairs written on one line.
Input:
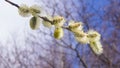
{"points": [[34, 23], [58, 33], [96, 46], [35, 10], [58, 21], [24, 10]]}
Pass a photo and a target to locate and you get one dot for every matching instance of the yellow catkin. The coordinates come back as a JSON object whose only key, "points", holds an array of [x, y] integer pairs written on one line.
{"points": [[35, 23], [75, 26], [24, 10], [58, 33], [93, 35], [96, 46], [58, 21], [81, 37], [35, 10]]}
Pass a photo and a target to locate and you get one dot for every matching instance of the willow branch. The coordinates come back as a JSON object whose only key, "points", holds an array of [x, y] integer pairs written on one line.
{"points": [[43, 18], [12, 3]]}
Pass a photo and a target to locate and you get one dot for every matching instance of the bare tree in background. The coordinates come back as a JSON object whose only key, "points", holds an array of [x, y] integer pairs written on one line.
{"points": [[41, 50], [79, 12]]}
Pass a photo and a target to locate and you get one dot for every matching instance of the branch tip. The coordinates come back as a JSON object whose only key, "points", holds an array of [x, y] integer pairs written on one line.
{"points": [[14, 4]]}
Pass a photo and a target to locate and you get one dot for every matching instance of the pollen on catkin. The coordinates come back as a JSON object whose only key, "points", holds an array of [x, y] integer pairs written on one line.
{"points": [[81, 37], [93, 35], [35, 10], [24, 10], [58, 33], [75, 26], [35, 22], [96, 47], [58, 21]]}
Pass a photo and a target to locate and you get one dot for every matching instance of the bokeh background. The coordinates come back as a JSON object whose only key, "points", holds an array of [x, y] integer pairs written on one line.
{"points": [[22, 47]]}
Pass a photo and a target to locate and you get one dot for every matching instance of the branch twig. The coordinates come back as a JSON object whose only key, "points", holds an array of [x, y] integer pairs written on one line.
{"points": [[12, 3], [46, 19]]}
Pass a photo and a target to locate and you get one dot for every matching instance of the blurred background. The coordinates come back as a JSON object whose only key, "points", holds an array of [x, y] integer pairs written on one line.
{"points": [[22, 47]]}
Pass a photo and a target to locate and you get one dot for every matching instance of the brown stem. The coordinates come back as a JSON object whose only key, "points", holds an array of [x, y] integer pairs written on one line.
{"points": [[46, 19], [66, 27], [12, 3]]}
